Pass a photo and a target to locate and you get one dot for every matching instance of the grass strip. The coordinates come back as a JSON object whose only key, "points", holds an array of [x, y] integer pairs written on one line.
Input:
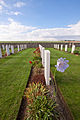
{"points": [[69, 81], [14, 73]]}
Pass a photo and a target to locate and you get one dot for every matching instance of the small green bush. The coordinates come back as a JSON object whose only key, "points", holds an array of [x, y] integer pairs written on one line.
{"points": [[40, 105], [76, 52]]}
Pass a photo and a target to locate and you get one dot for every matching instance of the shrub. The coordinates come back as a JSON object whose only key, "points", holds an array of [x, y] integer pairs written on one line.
{"points": [[76, 52], [40, 105]]}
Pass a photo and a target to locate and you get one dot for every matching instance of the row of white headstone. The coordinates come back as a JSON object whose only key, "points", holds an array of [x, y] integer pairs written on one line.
{"points": [[45, 55], [57, 46], [8, 47]]}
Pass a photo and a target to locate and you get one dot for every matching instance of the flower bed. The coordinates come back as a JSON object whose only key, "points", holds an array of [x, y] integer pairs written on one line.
{"points": [[41, 100]]}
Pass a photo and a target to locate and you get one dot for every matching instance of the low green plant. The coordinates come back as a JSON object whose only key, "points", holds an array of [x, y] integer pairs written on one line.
{"points": [[35, 90], [40, 105], [69, 51], [76, 52]]}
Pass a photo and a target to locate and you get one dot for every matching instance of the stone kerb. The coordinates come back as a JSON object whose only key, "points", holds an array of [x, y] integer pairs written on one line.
{"points": [[66, 47], [0, 52]]}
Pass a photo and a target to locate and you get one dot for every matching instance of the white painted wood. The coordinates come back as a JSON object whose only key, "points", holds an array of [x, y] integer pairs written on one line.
{"points": [[7, 50], [0, 52], [73, 49], [66, 48], [47, 67], [61, 47], [12, 49], [43, 56]]}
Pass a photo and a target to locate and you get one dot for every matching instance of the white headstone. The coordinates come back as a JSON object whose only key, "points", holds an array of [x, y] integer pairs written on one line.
{"points": [[43, 56], [47, 67], [26, 45], [12, 49], [7, 50], [73, 48], [65, 48], [41, 51], [0, 52], [18, 48], [9, 46], [3, 47], [58, 46], [61, 47], [21, 47]]}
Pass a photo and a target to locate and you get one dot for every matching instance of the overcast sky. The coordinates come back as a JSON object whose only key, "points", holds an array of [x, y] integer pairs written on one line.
{"points": [[39, 20]]}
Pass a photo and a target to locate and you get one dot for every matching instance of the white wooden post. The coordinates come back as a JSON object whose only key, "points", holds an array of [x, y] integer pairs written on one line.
{"points": [[43, 56], [12, 49], [73, 48], [65, 48], [18, 48], [61, 47], [47, 67], [7, 50], [0, 52]]}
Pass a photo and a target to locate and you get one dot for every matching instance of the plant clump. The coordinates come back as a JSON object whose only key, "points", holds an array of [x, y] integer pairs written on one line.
{"points": [[40, 105]]}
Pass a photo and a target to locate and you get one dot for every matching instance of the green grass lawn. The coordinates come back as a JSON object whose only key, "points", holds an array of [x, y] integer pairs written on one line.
{"points": [[69, 49], [69, 81], [14, 73]]}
